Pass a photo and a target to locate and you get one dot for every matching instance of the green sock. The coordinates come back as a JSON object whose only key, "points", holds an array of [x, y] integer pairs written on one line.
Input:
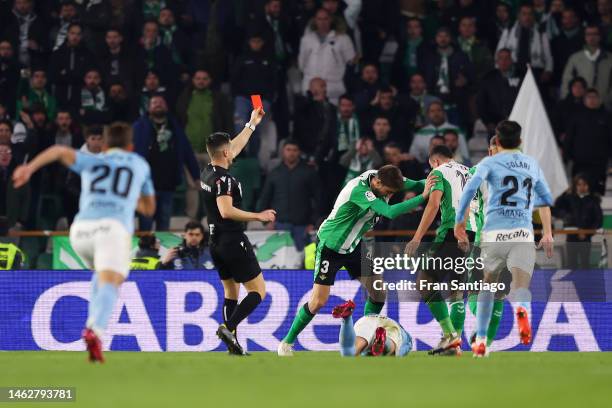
{"points": [[498, 309], [473, 302], [457, 315], [439, 310], [300, 321], [372, 307]]}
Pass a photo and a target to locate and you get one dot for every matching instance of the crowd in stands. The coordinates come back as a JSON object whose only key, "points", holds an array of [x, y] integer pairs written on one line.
{"points": [[347, 86]]}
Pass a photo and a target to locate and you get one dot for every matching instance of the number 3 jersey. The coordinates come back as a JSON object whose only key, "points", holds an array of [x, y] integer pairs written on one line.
{"points": [[514, 180], [111, 184]]}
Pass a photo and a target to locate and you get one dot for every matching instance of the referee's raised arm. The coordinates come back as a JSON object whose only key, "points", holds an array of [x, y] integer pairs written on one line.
{"points": [[240, 141]]}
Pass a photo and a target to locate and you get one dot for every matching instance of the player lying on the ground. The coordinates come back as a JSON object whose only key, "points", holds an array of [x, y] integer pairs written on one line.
{"points": [[372, 335], [114, 184], [507, 238], [357, 209]]}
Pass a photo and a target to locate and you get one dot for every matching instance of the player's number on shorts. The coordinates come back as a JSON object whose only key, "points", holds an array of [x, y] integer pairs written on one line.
{"points": [[121, 179], [514, 187], [324, 267]]}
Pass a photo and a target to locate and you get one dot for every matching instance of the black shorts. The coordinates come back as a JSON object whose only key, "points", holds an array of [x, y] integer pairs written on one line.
{"points": [[448, 247], [234, 258], [329, 262]]}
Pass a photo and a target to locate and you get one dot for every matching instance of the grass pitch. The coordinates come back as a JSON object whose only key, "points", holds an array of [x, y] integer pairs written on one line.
{"points": [[313, 380]]}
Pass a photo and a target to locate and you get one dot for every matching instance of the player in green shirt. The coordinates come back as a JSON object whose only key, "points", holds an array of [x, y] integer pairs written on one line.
{"points": [[358, 206], [445, 195]]}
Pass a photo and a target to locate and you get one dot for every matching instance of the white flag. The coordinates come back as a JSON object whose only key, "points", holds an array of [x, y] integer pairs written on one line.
{"points": [[538, 137]]}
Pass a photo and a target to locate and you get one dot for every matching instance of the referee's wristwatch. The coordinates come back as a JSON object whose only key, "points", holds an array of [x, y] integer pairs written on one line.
{"points": [[248, 125]]}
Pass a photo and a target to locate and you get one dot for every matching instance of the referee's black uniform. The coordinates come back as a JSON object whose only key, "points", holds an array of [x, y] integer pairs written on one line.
{"points": [[231, 251]]}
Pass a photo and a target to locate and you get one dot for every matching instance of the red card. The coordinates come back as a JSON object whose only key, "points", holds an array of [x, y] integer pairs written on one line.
{"points": [[256, 101]]}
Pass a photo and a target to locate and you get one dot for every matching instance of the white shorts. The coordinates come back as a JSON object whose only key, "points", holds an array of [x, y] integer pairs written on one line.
{"points": [[103, 245], [513, 248]]}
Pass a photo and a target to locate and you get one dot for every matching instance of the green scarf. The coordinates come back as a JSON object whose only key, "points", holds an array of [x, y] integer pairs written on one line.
{"points": [[348, 132], [410, 62]]}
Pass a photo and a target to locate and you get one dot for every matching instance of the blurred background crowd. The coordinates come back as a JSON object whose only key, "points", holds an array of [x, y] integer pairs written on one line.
{"points": [[347, 85]]}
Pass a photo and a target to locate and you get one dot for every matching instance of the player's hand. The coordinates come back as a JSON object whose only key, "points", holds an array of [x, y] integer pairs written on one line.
{"points": [[171, 255], [267, 216], [412, 246], [547, 242], [21, 175], [431, 181], [257, 116], [460, 233]]}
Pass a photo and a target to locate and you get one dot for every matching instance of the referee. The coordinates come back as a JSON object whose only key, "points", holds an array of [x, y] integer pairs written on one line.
{"points": [[230, 249]]}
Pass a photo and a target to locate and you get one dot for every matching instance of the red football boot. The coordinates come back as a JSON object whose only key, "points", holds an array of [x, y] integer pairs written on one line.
{"points": [[344, 310], [94, 346], [378, 345], [523, 324]]}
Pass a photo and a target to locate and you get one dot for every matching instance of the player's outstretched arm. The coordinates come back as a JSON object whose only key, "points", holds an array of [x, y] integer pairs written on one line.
{"points": [[381, 207], [240, 141], [63, 154], [228, 211]]}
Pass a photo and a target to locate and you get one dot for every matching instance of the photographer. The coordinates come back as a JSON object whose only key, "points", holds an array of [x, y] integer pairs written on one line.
{"points": [[147, 256], [192, 253]]}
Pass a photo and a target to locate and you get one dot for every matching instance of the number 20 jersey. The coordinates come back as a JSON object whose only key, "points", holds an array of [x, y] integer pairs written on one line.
{"points": [[111, 184], [513, 182]]}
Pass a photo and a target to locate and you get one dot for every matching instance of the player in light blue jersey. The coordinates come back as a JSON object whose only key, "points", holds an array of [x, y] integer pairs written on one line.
{"points": [[114, 185], [371, 335], [514, 180]]}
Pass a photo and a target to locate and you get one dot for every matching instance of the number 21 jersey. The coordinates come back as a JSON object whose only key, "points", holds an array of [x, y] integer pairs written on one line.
{"points": [[513, 181]]}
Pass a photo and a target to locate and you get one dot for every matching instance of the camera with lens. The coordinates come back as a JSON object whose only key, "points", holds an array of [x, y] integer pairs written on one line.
{"points": [[181, 251]]}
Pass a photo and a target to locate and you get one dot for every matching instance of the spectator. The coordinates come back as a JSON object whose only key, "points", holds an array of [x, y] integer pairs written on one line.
{"points": [[6, 156], [94, 141], [315, 123], [378, 21], [292, 189], [201, 110], [498, 91], [362, 156], [66, 133], [419, 100], [96, 16], [593, 64], [153, 55], [253, 74], [589, 141], [451, 140], [27, 33], [502, 22], [36, 93], [120, 106], [448, 73], [409, 167], [382, 131], [116, 62], [174, 38], [566, 108], [67, 67], [478, 52], [581, 209], [152, 87], [349, 130], [411, 50], [366, 89], [17, 200], [604, 18], [94, 107], [569, 41], [163, 143], [385, 104], [437, 126], [192, 253], [528, 46], [147, 256], [11, 256], [325, 53], [9, 77], [67, 15]]}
